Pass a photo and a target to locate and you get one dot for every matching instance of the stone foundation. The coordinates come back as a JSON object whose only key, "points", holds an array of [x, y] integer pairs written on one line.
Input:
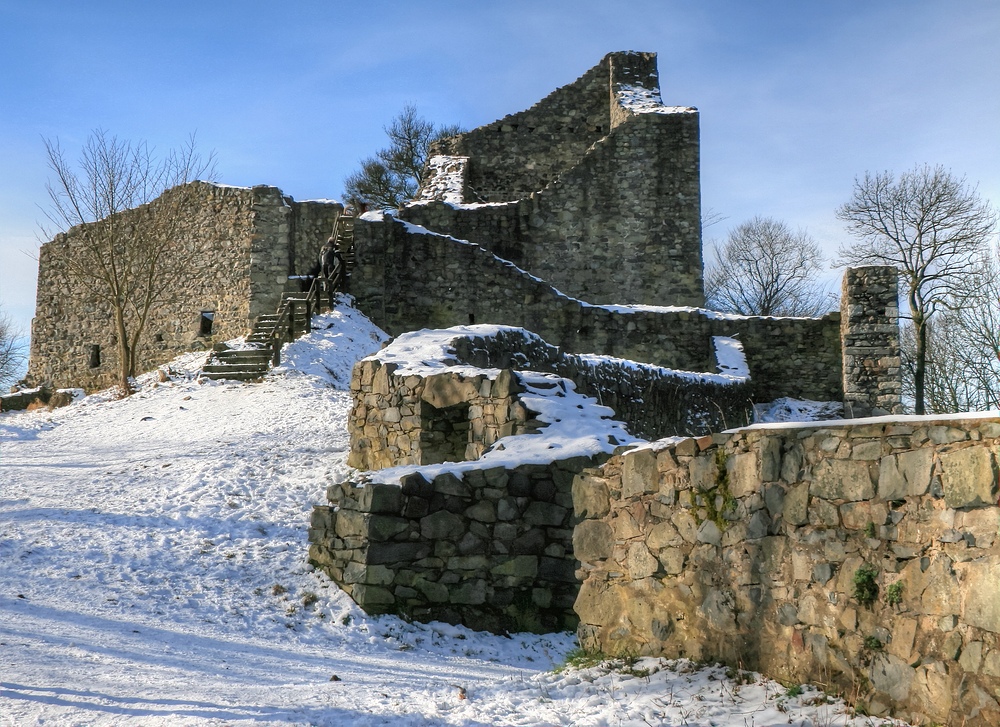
{"points": [[492, 550]]}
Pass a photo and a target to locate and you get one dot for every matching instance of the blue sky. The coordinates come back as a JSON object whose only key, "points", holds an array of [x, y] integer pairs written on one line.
{"points": [[796, 98]]}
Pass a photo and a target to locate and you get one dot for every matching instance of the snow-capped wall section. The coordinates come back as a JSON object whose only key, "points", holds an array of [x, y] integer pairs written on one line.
{"points": [[450, 395], [476, 435]]}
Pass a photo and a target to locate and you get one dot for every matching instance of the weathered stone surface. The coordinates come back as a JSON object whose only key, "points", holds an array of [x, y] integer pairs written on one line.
{"points": [[907, 474], [981, 586], [442, 525], [842, 480], [709, 532], [590, 496], [969, 478], [744, 474], [639, 473], [893, 677], [372, 597], [592, 540], [641, 563], [483, 511], [704, 472], [796, 503], [521, 566], [445, 390], [545, 513]]}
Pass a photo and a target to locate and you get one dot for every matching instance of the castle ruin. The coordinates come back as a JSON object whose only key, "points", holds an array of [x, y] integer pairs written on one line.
{"points": [[574, 227]]}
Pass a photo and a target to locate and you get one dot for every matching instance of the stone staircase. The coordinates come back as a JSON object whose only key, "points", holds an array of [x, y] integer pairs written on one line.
{"points": [[293, 318]]}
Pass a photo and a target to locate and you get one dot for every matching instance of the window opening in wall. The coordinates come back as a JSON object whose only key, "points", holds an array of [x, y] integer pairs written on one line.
{"points": [[158, 338], [445, 433], [472, 319], [94, 356], [207, 319]]}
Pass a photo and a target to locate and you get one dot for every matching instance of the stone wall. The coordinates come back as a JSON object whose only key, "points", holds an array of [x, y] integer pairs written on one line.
{"points": [[402, 417], [602, 191], [446, 417], [870, 333], [554, 134], [863, 557], [239, 246], [491, 550], [408, 278]]}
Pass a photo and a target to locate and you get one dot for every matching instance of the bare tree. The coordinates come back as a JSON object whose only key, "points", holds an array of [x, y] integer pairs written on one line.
{"points": [[11, 352], [765, 269], [391, 178], [929, 224], [122, 249], [963, 346]]}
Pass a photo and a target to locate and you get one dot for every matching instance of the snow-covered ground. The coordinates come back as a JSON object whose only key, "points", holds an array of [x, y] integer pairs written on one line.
{"points": [[153, 572]]}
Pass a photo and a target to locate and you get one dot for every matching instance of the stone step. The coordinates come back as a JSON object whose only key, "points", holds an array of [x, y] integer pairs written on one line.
{"points": [[222, 368], [234, 375], [233, 356]]}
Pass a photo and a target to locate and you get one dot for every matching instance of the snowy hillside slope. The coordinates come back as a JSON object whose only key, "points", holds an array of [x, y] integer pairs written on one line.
{"points": [[153, 572]]}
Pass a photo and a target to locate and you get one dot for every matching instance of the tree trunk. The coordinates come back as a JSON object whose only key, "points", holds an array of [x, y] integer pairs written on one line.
{"points": [[921, 364], [124, 353]]}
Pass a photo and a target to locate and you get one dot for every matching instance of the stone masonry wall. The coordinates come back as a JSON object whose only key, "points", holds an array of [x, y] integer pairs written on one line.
{"points": [[70, 319], [864, 557], [491, 550], [238, 245], [447, 417], [407, 279], [608, 211], [410, 419], [554, 134], [621, 226], [870, 332]]}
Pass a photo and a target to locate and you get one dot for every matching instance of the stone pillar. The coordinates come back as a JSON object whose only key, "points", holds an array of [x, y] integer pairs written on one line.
{"points": [[869, 332]]}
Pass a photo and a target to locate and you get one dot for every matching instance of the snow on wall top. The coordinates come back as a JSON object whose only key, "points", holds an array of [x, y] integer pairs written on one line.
{"points": [[640, 100]]}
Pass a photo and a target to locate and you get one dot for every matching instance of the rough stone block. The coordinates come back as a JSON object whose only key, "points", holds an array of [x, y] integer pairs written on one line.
{"points": [[640, 562], [593, 540], [744, 474], [545, 513], [521, 566], [445, 390], [380, 498], [969, 478], [351, 523], [385, 527], [639, 473], [840, 479], [907, 474], [562, 570], [442, 525], [704, 471], [483, 511], [981, 593], [590, 496]]}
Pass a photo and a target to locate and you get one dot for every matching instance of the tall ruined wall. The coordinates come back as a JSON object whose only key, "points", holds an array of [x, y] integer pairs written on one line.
{"points": [[407, 279], [607, 210], [624, 225], [554, 134], [621, 226], [70, 320], [865, 557], [236, 243]]}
